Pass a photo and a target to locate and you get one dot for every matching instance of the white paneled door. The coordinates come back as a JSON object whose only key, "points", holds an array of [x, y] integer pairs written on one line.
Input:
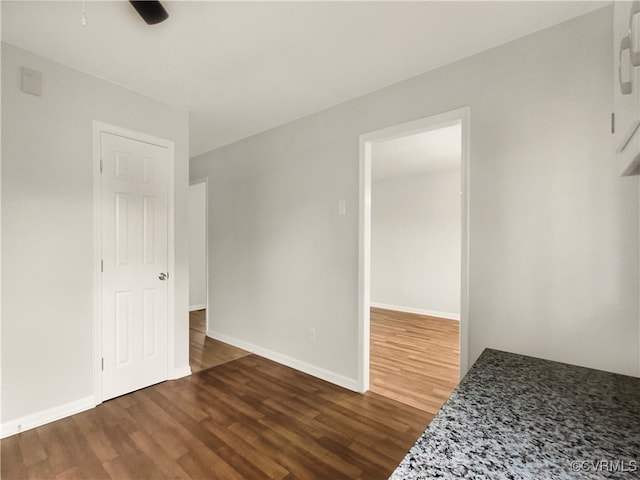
{"points": [[134, 185]]}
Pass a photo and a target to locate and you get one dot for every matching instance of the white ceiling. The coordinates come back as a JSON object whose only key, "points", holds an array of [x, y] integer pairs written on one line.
{"points": [[418, 154], [244, 67]]}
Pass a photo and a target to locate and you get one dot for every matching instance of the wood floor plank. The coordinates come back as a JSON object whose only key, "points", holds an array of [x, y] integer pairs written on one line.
{"points": [[414, 359], [39, 470], [262, 440], [246, 418], [305, 462], [172, 442], [376, 459], [203, 463], [205, 352], [61, 458], [12, 464], [116, 413], [31, 448], [298, 435], [154, 451], [335, 438], [85, 461], [246, 451], [133, 467]]}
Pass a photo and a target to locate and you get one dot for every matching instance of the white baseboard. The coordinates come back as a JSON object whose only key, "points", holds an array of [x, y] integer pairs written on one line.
{"points": [[56, 413], [419, 311], [180, 372], [193, 308], [321, 373], [46, 416]]}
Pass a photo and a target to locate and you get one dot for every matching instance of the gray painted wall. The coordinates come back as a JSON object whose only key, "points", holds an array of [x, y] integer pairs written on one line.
{"points": [[415, 242], [197, 246], [48, 227], [553, 229]]}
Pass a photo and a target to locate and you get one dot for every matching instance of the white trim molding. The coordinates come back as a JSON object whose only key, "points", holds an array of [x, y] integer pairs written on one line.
{"points": [[195, 308], [326, 375], [419, 311], [46, 416]]}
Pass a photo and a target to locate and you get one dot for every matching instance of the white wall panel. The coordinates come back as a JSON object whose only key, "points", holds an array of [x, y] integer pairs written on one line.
{"points": [[123, 328], [148, 229], [122, 166], [122, 229], [150, 339], [149, 170]]}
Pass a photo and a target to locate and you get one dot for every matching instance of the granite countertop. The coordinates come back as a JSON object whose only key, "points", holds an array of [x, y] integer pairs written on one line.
{"points": [[518, 417]]}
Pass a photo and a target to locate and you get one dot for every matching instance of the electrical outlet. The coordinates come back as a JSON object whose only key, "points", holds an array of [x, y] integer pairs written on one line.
{"points": [[312, 334]]}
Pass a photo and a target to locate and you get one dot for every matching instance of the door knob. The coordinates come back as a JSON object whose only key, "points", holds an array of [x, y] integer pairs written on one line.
{"points": [[162, 276]]}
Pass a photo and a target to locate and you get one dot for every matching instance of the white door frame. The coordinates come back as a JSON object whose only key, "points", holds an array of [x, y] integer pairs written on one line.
{"points": [[98, 129], [433, 122], [196, 181]]}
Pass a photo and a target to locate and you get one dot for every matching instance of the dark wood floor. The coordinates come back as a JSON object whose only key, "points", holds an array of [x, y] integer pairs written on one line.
{"points": [[205, 352], [247, 418], [415, 359]]}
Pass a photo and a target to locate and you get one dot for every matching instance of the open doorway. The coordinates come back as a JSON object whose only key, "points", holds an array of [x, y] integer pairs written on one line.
{"points": [[204, 351], [198, 246], [198, 311], [413, 269]]}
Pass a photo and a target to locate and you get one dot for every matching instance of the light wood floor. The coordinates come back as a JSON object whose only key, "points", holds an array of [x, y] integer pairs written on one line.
{"points": [[248, 418], [414, 359], [205, 352]]}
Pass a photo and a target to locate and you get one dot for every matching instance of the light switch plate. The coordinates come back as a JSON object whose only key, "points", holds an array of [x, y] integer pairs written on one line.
{"points": [[342, 207], [31, 81]]}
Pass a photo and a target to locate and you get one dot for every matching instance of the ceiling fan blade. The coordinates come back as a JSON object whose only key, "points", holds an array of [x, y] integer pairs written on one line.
{"points": [[151, 11]]}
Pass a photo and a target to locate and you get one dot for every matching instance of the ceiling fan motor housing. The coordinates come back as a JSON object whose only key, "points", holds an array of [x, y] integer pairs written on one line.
{"points": [[151, 11]]}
